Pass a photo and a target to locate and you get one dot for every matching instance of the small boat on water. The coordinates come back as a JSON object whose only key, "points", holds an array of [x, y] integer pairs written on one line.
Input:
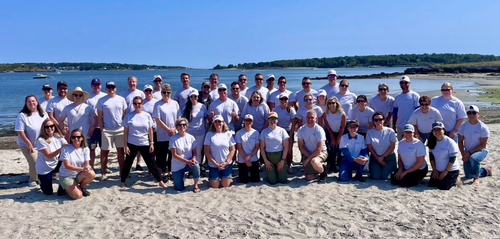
{"points": [[40, 76]]}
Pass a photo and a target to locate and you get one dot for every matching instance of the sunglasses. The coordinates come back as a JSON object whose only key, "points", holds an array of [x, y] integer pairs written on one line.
{"points": [[382, 89], [206, 87], [378, 120], [194, 96], [445, 90], [46, 89], [259, 79], [273, 119], [166, 92], [281, 82], [232, 88], [332, 76], [308, 100], [471, 112], [136, 103], [110, 87], [76, 136], [270, 79], [78, 95], [220, 90], [424, 104], [182, 125], [242, 79], [148, 90], [404, 82], [360, 101], [332, 103], [284, 99], [341, 85], [157, 81], [49, 126], [306, 83]]}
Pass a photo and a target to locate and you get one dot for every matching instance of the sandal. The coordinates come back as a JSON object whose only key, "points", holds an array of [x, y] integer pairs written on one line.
{"points": [[196, 190]]}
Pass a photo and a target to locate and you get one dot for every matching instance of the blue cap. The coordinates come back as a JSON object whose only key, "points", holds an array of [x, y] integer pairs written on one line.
{"points": [[110, 83], [409, 127], [438, 125], [95, 81]]}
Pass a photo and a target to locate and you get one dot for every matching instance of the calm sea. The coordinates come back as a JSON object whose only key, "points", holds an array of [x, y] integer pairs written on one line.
{"points": [[16, 86]]}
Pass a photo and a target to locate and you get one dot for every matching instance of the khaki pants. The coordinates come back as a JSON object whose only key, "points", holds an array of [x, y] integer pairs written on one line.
{"points": [[31, 158]]}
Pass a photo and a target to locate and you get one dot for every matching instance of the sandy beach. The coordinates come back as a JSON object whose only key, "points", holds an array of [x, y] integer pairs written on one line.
{"points": [[372, 209]]}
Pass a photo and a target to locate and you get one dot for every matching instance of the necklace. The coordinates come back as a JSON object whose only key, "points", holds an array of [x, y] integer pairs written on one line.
{"points": [[80, 106]]}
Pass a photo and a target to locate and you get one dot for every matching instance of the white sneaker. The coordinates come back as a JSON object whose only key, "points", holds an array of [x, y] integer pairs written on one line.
{"points": [[32, 184]]}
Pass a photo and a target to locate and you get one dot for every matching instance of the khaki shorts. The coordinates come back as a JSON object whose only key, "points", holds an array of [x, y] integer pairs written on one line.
{"points": [[112, 139], [308, 169], [65, 182]]}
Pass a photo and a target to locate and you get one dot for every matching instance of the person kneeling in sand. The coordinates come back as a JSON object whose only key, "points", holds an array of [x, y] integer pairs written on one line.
{"points": [[312, 139], [355, 155], [76, 172]]}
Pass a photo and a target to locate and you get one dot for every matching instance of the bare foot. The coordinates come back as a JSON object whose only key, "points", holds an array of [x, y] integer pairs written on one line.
{"points": [[196, 190], [162, 184], [490, 170], [475, 181], [123, 186]]}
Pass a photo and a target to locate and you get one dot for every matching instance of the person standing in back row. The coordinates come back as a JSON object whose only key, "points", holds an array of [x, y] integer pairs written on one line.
{"points": [[56, 105], [182, 95], [110, 111], [95, 95], [158, 80], [332, 88], [306, 89], [47, 95], [214, 80], [404, 104], [259, 80]]}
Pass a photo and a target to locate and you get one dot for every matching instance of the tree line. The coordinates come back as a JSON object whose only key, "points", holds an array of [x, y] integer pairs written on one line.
{"points": [[368, 61], [83, 66]]}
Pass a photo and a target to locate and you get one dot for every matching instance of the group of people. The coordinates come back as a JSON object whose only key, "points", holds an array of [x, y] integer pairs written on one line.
{"points": [[255, 127]]}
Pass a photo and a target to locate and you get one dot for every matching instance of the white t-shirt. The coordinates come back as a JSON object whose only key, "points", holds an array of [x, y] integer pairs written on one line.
{"points": [[248, 140], [112, 111], [157, 95], [243, 92], [197, 123], [148, 106], [56, 106], [182, 96], [302, 112], [331, 90], [219, 145], [284, 117], [241, 102], [406, 104], [299, 97], [381, 139], [273, 138], [451, 111], [312, 136], [93, 98], [259, 114], [385, 107], [409, 152], [184, 147], [138, 125], [275, 97], [354, 145], [225, 108], [215, 94], [473, 133], [334, 120], [79, 117], [166, 112], [346, 100], [43, 164], [76, 158], [30, 125], [263, 91], [129, 97], [424, 121], [43, 103], [364, 118], [445, 149]]}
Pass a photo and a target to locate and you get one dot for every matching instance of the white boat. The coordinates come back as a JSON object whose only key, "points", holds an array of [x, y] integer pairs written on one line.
{"points": [[40, 76]]}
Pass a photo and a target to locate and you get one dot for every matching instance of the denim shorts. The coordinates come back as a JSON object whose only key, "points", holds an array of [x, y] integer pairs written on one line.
{"points": [[216, 174], [95, 139]]}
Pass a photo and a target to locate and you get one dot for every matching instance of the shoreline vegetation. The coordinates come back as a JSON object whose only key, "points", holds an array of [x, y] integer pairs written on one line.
{"points": [[82, 66]]}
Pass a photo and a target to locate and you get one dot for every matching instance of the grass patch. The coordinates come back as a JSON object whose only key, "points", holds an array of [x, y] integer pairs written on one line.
{"points": [[492, 95]]}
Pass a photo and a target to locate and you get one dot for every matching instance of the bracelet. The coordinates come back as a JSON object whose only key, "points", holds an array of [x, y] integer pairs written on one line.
{"points": [[150, 143], [283, 159]]}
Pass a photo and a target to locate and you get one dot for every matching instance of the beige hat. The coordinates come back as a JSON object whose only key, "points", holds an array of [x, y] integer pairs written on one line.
{"points": [[78, 89]]}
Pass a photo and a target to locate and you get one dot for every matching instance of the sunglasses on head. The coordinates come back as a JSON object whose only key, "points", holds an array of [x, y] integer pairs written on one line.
{"points": [[49, 126]]}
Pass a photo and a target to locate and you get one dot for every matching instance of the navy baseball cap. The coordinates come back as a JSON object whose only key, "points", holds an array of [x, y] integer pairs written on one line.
{"points": [[95, 81]]}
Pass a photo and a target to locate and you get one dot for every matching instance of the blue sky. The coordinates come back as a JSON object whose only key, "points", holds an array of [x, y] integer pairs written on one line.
{"points": [[205, 33]]}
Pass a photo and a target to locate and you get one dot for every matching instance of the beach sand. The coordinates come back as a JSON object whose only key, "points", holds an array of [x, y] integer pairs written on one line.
{"points": [[299, 209]]}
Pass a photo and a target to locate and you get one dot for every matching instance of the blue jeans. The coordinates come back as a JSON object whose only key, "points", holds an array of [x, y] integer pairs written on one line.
{"points": [[346, 167], [178, 176], [454, 139], [334, 152], [216, 174], [472, 168], [425, 136]]}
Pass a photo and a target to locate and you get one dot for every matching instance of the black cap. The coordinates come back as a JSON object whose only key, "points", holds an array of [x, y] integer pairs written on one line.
{"points": [[110, 83], [46, 87], [60, 83]]}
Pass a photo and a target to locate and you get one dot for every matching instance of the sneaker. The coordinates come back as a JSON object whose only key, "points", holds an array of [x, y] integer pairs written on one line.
{"points": [[32, 184], [361, 179], [322, 176], [85, 193], [290, 170], [138, 167], [61, 191]]}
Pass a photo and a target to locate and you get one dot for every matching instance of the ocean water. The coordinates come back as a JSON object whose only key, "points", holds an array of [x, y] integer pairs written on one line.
{"points": [[16, 86]]}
